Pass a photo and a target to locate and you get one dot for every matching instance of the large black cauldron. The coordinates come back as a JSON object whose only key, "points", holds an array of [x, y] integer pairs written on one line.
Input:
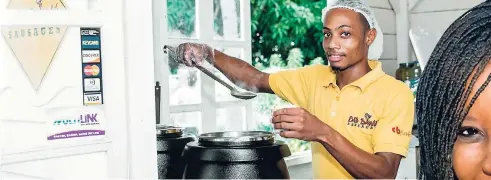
{"points": [[170, 144], [236, 155]]}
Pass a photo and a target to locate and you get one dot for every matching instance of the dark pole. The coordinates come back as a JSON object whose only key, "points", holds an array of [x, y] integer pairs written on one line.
{"points": [[157, 102]]}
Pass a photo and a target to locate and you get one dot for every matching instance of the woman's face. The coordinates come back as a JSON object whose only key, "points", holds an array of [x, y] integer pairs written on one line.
{"points": [[472, 149]]}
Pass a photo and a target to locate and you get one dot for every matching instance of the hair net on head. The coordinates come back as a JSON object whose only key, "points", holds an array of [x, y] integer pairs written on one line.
{"points": [[376, 48]]}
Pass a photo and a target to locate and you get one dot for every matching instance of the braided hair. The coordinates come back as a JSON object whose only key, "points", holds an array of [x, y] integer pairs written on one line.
{"points": [[463, 49]]}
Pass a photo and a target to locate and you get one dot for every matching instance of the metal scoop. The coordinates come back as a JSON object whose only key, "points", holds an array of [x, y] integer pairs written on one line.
{"points": [[233, 91]]}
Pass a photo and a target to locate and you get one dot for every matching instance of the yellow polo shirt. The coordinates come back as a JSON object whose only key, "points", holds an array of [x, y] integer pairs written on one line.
{"points": [[375, 113]]}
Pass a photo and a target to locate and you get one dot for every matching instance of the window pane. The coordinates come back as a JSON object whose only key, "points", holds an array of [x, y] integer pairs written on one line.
{"points": [[227, 21], [187, 120], [181, 18], [262, 111], [184, 82], [184, 86], [231, 119], [222, 93]]}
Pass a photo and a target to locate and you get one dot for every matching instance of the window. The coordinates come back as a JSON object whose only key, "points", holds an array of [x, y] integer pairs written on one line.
{"points": [[194, 100]]}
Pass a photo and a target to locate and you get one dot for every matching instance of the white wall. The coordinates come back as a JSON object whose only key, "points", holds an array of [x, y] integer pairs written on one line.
{"points": [[387, 20], [27, 114], [432, 17]]}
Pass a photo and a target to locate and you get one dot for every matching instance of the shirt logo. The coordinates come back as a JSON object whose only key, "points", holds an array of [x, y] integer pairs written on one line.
{"points": [[401, 132], [363, 122]]}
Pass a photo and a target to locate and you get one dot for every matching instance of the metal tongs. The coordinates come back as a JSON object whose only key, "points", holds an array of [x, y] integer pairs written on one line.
{"points": [[171, 52]]}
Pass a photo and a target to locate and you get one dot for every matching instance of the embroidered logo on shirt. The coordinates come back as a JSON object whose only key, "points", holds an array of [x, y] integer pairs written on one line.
{"points": [[401, 132], [363, 122]]}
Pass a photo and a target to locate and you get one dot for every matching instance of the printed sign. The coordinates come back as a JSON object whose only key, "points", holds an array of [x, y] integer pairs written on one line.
{"points": [[92, 98], [91, 66], [34, 46], [75, 123], [92, 84], [91, 56]]}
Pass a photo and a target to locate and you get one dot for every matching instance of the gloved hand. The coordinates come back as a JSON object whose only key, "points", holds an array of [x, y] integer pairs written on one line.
{"points": [[192, 54]]}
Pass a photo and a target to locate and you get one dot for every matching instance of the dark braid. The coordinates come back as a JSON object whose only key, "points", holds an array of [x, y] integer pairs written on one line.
{"points": [[463, 49]]}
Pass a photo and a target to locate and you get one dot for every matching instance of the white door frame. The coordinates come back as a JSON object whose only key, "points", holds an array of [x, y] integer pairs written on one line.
{"points": [[110, 19], [139, 48]]}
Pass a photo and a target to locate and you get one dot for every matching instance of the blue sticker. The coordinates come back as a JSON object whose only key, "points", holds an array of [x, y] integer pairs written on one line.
{"points": [[91, 42]]}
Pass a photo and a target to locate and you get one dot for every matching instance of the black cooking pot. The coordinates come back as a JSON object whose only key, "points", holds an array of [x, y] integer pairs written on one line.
{"points": [[236, 155], [170, 144]]}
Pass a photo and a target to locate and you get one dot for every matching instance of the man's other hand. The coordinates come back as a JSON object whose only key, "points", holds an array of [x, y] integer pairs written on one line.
{"points": [[298, 123]]}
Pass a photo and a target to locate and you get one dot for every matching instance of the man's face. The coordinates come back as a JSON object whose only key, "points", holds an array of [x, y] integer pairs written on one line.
{"points": [[346, 38]]}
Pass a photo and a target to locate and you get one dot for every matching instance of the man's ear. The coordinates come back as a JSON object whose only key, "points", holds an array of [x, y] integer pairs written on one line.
{"points": [[371, 35]]}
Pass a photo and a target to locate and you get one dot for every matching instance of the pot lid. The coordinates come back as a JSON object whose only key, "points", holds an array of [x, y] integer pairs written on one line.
{"points": [[236, 138], [166, 130]]}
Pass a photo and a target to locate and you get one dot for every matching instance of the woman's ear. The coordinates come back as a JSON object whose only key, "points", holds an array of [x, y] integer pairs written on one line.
{"points": [[371, 35]]}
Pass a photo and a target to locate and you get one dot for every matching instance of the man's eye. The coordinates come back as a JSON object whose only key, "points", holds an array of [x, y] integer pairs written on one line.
{"points": [[345, 34]]}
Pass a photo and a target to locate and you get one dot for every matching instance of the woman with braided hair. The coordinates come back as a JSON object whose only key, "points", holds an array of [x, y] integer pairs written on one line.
{"points": [[453, 101]]}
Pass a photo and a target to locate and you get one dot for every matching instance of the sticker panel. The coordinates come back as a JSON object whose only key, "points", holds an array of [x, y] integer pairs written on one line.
{"points": [[91, 56]]}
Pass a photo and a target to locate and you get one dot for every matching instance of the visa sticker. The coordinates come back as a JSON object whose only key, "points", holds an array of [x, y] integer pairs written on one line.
{"points": [[92, 98]]}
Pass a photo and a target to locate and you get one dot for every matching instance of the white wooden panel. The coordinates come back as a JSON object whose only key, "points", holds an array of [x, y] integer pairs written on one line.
{"points": [[390, 47], [21, 136], [86, 166], [55, 18], [381, 4], [444, 5], [4, 175], [141, 89], [22, 108], [436, 22], [387, 20], [390, 66], [55, 151]]}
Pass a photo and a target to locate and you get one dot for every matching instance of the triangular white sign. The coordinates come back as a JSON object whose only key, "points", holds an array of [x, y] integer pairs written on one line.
{"points": [[34, 47]]}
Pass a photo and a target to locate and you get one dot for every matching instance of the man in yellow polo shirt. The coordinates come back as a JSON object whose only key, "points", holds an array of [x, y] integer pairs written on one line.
{"points": [[358, 118]]}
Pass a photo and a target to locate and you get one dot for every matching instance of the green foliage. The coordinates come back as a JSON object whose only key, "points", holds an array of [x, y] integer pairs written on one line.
{"points": [[275, 60], [295, 58], [277, 26], [317, 60], [181, 16]]}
